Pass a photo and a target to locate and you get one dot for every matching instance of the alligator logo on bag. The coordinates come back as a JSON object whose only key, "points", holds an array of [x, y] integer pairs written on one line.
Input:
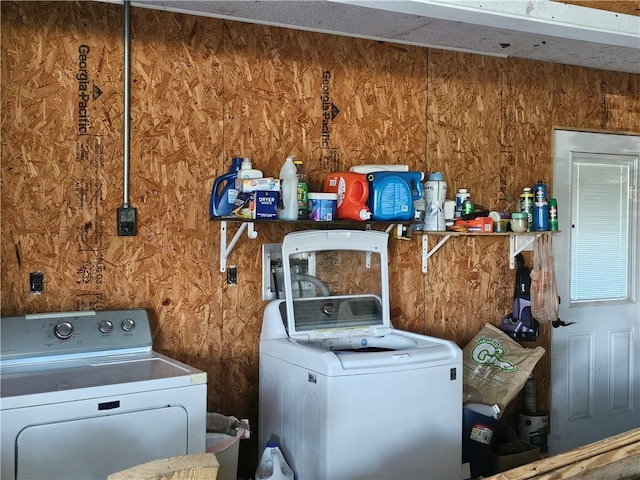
{"points": [[488, 351]]}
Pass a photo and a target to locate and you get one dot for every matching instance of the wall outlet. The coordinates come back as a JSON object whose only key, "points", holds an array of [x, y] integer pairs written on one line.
{"points": [[232, 275], [36, 282]]}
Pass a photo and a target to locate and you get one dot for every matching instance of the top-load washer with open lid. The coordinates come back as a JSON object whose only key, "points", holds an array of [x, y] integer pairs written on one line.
{"points": [[346, 395]]}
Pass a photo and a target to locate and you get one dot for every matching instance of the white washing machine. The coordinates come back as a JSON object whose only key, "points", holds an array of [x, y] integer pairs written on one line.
{"points": [[82, 395], [346, 395]]}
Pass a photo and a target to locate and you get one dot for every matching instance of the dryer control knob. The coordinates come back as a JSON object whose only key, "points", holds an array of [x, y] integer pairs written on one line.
{"points": [[106, 326], [63, 330], [128, 324]]}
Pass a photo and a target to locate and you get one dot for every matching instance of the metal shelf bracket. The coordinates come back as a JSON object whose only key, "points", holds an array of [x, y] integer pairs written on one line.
{"points": [[426, 253], [225, 250]]}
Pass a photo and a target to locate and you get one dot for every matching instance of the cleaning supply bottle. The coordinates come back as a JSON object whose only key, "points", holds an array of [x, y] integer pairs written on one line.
{"points": [[288, 204], [391, 194], [247, 170], [419, 212], [359, 213], [353, 191], [553, 215], [303, 190], [272, 465], [223, 192], [435, 193], [461, 196], [526, 205]]}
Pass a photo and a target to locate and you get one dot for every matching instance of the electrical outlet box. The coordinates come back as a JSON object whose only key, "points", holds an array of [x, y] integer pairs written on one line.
{"points": [[126, 221], [272, 286], [36, 282], [273, 272], [232, 275]]}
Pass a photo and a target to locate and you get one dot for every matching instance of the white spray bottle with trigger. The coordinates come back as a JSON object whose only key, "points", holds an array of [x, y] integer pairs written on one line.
{"points": [[288, 204]]}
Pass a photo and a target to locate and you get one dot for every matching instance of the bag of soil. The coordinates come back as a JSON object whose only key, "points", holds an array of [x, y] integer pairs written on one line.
{"points": [[495, 367]]}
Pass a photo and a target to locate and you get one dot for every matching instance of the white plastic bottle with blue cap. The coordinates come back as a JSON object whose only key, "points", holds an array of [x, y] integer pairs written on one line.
{"points": [[272, 465]]}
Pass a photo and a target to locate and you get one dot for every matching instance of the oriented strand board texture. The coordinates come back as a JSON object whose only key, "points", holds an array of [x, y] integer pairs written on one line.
{"points": [[628, 7], [204, 90]]}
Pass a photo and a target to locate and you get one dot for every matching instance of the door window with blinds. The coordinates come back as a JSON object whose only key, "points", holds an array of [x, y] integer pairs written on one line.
{"points": [[604, 222]]}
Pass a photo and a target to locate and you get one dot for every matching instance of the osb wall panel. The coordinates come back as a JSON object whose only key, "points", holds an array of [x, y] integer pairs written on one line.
{"points": [[205, 90], [628, 7]]}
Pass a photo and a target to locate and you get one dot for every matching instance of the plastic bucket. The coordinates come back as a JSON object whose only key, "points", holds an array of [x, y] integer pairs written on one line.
{"points": [[225, 447], [533, 428]]}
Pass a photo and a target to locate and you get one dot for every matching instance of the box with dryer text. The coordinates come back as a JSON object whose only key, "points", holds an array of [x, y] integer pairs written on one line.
{"points": [[265, 204]]}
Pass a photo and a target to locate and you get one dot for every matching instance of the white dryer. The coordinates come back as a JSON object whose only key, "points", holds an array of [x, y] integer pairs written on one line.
{"points": [[345, 394], [83, 395]]}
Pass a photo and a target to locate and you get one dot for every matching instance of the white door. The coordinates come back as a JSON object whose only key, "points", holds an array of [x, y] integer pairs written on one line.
{"points": [[595, 362]]}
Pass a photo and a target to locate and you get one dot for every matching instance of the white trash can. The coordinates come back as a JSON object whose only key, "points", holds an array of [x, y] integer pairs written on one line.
{"points": [[223, 439]]}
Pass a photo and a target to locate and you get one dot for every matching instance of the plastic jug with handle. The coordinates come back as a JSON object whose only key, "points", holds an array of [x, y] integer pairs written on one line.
{"points": [[223, 192], [391, 195], [272, 465], [353, 191]]}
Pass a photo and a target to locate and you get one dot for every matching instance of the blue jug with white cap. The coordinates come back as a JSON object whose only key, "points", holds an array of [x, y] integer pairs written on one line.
{"points": [[223, 192], [391, 195]]}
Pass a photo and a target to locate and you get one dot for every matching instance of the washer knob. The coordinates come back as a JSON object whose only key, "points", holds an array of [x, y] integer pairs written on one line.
{"points": [[63, 330], [106, 326], [128, 324]]}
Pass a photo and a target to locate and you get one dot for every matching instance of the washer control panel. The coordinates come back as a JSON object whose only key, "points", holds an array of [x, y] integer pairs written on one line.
{"points": [[66, 333]]}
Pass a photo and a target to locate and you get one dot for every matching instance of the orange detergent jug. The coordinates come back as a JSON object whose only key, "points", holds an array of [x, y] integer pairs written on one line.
{"points": [[353, 192]]}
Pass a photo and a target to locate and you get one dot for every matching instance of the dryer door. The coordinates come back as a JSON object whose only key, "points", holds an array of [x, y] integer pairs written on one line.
{"points": [[93, 448]]}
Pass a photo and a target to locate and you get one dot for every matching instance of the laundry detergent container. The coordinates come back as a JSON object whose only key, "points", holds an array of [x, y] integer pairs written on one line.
{"points": [[353, 191], [478, 434], [391, 195]]}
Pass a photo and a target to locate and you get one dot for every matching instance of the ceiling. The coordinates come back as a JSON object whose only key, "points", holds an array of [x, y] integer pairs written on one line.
{"points": [[533, 29]]}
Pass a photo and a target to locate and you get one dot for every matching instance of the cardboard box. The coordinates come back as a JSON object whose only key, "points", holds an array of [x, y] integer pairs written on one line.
{"points": [[501, 463], [265, 204], [253, 184], [477, 225], [242, 205]]}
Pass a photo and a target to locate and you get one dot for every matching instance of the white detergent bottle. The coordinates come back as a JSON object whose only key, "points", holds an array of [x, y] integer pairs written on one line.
{"points": [[288, 204], [247, 170], [272, 465]]}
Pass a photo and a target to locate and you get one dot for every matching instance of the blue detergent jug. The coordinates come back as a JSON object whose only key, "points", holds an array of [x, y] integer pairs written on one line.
{"points": [[391, 195], [223, 192]]}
